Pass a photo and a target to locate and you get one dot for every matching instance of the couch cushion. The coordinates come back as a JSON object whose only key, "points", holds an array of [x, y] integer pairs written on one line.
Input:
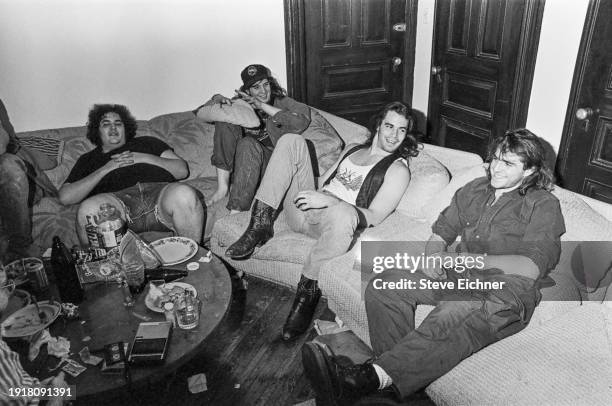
{"points": [[189, 137], [325, 140], [285, 246], [48, 151], [567, 361], [432, 208], [51, 218], [427, 177]]}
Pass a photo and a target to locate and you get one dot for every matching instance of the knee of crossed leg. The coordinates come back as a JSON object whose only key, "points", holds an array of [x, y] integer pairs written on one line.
{"points": [[12, 169], [290, 140], [342, 217]]}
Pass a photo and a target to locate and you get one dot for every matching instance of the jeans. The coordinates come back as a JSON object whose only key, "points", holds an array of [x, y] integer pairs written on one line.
{"points": [[18, 193], [243, 155], [141, 205], [289, 172], [454, 330]]}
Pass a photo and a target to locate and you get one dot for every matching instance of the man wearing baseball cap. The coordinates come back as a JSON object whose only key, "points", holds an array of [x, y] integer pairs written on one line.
{"points": [[241, 154]]}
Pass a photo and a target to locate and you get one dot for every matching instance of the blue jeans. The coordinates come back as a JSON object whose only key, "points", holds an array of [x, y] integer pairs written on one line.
{"points": [[140, 203], [245, 157], [454, 330], [290, 172], [18, 193]]}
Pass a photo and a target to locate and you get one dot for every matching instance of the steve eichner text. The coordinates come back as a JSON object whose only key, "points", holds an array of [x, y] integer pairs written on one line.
{"points": [[460, 284], [412, 263]]}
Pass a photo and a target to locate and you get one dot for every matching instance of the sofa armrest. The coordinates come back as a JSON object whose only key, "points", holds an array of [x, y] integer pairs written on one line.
{"points": [[351, 133]]}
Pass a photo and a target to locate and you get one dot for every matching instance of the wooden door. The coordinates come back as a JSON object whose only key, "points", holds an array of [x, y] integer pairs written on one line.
{"points": [[482, 67], [586, 148], [353, 55]]}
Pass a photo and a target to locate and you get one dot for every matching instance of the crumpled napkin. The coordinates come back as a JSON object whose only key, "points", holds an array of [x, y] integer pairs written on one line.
{"points": [[57, 346]]}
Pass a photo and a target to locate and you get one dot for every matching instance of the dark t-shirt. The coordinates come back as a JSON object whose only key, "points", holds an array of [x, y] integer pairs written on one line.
{"points": [[126, 176]]}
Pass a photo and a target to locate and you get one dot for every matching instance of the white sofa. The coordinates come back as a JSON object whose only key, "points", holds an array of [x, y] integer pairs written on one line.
{"points": [[564, 356]]}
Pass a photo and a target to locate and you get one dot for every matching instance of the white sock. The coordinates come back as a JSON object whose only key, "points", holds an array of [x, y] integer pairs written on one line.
{"points": [[384, 379]]}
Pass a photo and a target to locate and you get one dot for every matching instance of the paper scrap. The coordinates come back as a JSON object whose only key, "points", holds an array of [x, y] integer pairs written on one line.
{"points": [[206, 258], [73, 368], [197, 383]]}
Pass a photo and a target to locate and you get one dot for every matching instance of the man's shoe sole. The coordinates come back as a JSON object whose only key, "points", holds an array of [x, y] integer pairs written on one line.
{"points": [[317, 370]]}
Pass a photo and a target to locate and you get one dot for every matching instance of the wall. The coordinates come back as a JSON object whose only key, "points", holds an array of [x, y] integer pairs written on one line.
{"points": [[58, 57], [559, 41]]}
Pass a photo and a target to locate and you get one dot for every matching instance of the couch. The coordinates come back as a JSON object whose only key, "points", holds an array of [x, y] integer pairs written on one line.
{"points": [[564, 356], [190, 137]]}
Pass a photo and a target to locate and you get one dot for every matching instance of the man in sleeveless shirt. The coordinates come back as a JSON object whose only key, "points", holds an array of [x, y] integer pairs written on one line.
{"points": [[510, 224], [361, 189]]}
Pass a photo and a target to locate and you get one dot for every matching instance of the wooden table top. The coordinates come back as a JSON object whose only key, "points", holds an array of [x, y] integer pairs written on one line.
{"points": [[104, 320]]}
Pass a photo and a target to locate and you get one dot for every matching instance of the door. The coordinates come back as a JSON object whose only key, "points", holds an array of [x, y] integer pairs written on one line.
{"points": [[482, 66], [353, 55], [586, 148]]}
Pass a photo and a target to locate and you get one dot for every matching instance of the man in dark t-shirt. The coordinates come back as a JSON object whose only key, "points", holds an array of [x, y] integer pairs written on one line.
{"points": [[136, 175]]}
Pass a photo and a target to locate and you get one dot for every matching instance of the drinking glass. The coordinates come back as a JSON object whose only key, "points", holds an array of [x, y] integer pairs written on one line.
{"points": [[187, 312]]}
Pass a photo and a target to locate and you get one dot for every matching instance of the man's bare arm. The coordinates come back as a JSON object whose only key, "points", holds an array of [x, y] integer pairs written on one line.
{"points": [[389, 195]]}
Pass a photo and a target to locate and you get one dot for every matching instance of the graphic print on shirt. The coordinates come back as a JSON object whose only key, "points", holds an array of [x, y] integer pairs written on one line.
{"points": [[349, 179]]}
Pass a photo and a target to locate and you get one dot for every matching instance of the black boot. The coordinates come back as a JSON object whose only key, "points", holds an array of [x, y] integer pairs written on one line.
{"points": [[259, 231], [333, 383], [304, 305]]}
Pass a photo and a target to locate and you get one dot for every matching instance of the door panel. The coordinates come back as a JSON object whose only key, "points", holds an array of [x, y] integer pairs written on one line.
{"points": [[586, 150], [476, 44], [350, 45]]}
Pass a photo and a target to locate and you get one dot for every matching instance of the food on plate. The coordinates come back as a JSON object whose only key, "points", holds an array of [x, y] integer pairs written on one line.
{"points": [[165, 293]]}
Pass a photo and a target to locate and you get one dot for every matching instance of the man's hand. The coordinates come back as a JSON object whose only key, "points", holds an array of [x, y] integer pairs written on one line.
{"points": [[253, 101], [130, 158], [436, 272], [311, 199], [220, 99]]}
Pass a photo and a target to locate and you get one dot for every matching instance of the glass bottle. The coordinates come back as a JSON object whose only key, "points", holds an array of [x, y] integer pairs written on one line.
{"points": [[65, 272], [110, 227]]}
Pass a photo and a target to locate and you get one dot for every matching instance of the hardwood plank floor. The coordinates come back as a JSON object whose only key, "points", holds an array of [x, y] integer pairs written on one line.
{"points": [[244, 360]]}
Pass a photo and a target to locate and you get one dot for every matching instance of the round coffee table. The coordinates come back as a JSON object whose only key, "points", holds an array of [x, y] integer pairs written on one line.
{"points": [[104, 320]]}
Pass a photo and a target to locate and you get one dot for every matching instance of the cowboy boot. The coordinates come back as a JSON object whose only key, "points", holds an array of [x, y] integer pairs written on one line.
{"points": [[259, 231], [333, 382], [304, 305]]}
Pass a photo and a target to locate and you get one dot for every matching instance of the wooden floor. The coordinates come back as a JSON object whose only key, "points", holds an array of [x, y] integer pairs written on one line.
{"points": [[245, 361]]}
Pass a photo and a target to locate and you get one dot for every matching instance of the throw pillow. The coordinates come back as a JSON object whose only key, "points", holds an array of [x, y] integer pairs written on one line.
{"points": [[427, 177], [440, 201], [47, 151], [238, 113], [324, 139]]}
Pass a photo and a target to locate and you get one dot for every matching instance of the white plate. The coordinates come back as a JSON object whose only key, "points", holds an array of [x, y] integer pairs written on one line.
{"points": [[169, 285], [174, 250], [24, 321]]}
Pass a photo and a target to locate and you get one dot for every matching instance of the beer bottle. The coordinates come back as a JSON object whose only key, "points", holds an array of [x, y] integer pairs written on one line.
{"points": [[66, 277]]}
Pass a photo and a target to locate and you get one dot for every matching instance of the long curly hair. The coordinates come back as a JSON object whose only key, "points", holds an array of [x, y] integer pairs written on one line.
{"points": [[95, 117], [275, 89], [529, 148], [410, 145]]}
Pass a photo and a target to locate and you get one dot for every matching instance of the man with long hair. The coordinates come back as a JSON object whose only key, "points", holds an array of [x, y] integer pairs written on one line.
{"points": [[242, 154], [137, 175], [361, 189], [510, 225]]}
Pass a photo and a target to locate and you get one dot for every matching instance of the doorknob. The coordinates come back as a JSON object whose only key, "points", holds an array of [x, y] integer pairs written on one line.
{"points": [[436, 70], [395, 62], [585, 112]]}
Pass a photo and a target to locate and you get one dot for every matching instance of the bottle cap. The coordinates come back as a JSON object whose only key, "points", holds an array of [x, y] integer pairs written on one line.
{"points": [[193, 266], [168, 306]]}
